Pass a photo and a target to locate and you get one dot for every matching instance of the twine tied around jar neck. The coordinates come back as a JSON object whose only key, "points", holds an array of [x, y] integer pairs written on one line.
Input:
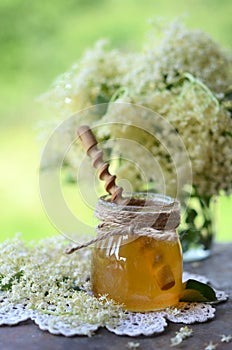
{"points": [[154, 218]]}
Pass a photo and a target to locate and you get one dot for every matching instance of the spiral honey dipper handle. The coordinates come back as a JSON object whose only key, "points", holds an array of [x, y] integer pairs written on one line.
{"points": [[89, 144]]}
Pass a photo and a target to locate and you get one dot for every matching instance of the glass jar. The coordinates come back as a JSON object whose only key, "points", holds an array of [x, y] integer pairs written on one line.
{"points": [[139, 262]]}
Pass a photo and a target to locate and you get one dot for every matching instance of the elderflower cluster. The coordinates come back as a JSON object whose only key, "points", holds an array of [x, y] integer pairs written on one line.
{"points": [[93, 80], [42, 277], [183, 75], [182, 334]]}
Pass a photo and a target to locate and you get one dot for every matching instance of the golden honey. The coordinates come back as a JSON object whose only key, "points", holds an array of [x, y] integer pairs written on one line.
{"points": [[140, 272]]}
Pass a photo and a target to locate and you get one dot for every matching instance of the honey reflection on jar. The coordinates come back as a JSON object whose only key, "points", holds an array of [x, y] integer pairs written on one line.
{"points": [[142, 274]]}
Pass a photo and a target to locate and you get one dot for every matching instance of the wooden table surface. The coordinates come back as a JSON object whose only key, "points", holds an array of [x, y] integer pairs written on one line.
{"points": [[218, 268]]}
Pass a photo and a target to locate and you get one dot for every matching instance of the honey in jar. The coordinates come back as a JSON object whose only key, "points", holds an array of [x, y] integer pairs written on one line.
{"points": [[139, 264]]}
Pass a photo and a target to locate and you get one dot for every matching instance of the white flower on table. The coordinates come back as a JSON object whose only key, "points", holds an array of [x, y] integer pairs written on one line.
{"points": [[226, 338], [183, 333], [211, 346], [132, 345]]}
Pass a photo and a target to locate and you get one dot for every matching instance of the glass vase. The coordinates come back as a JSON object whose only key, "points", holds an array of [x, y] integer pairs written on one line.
{"points": [[198, 227]]}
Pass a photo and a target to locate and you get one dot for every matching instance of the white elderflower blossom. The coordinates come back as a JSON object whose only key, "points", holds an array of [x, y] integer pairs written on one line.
{"points": [[181, 50], [204, 127], [211, 346], [182, 334], [91, 81], [188, 93], [174, 311], [42, 277], [132, 345], [226, 338]]}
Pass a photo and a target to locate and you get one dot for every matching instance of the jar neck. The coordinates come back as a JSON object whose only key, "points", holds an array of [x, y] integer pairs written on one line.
{"points": [[143, 210]]}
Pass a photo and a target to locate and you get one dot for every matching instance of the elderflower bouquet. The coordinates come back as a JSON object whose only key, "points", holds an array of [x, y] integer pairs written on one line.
{"points": [[184, 76]]}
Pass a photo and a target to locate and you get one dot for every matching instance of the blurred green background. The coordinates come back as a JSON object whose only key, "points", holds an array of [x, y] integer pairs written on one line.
{"points": [[41, 39]]}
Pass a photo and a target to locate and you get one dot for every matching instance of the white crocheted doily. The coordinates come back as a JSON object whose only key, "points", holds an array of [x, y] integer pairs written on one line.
{"points": [[127, 323]]}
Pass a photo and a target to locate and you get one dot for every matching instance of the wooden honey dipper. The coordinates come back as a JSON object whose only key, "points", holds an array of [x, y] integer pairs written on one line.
{"points": [[163, 276], [89, 144]]}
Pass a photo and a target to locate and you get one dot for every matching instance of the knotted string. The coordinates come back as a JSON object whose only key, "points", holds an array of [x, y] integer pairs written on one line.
{"points": [[157, 221]]}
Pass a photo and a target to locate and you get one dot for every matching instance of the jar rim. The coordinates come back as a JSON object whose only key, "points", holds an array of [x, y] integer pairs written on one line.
{"points": [[150, 201]]}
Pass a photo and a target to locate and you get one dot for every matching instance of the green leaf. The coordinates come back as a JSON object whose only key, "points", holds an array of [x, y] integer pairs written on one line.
{"points": [[197, 292]]}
